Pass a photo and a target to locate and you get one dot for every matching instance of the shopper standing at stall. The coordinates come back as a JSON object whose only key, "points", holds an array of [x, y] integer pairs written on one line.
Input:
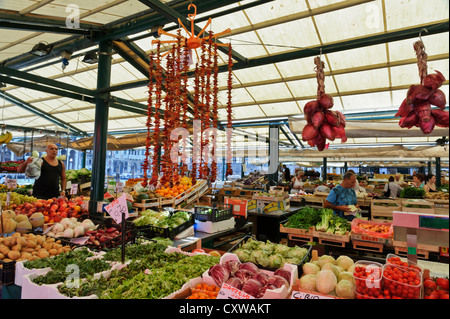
{"points": [[430, 186], [342, 196], [297, 183], [419, 180], [53, 172], [392, 189], [286, 173]]}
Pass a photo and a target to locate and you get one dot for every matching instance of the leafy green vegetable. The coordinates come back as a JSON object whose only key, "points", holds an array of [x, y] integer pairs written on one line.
{"points": [[326, 215], [412, 192], [306, 218]]}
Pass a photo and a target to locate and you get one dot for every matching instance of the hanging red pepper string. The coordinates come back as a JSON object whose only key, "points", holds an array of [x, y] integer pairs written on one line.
{"points": [[215, 121], [156, 134], [195, 136], [229, 170], [185, 108], [145, 166]]}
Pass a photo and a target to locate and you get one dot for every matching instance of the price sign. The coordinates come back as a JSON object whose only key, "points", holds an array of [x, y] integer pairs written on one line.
{"points": [[230, 292], [73, 189], [119, 187], [11, 183], [117, 207], [79, 240], [8, 199], [307, 295]]}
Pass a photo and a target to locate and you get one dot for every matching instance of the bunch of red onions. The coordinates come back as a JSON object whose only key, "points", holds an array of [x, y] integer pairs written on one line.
{"points": [[322, 122], [415, 109], [248, 277]]}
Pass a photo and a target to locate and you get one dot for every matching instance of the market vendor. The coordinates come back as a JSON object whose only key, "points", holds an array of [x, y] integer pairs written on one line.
{"points": [[53, 172], [430, 186], [286, 173], [419, 180], [342, 196], [297, 183]]}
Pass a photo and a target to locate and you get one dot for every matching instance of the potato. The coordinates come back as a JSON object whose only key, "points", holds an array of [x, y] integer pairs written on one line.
{"points": [[2, 256], [50, 240], [43, 253], [8, 242], [34, 253], [17, 248], [21, 241], [53, 252], [33, 257], [39, 239], [60, 250], [4, 249], [25, 255], [47, 246], [67, 248], [16, 235], [37, 247], [31, 243], [13, 255], [56, 246]]}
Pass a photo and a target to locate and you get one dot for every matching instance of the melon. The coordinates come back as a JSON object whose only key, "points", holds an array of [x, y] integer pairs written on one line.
{"points": [[20, 218], [37, 220], [9, 226], [8, 214], [142, 196], [24, 227]]}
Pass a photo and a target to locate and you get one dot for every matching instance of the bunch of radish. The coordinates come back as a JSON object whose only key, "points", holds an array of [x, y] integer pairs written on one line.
{"points": [[415, 109], [322, 123]]}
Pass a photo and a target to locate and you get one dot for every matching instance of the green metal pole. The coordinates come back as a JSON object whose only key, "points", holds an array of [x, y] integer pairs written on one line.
{"points": [[324, 175], [438, 172], [83, 159], [274, 160], [101, 127]]}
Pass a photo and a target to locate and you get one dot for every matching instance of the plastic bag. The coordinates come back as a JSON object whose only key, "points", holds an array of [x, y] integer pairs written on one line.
{"points": [[34, 168]]}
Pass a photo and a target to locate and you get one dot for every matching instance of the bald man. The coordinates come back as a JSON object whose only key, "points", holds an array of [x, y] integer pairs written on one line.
{"points": [[53, 172]]}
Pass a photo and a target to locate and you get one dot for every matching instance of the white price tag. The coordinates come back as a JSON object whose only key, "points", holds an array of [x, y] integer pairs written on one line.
{"points": [[117, 207], [230, 292], [74, 189], [79, 240], [307, 295]]}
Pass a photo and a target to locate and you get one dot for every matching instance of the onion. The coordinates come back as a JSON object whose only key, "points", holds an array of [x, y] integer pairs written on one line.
{"points": [[283, 273], [441, 117], [243, 274], [342, 118], [262, 277], [344, 139], [417, 92], [320, 142], [427, 127], [278, 281], [309, 132], [326, 130], [317, 119], [235, 282], [250, 267], [311, 143], [219, 273], [405, 108], [339, 132], [438, 99], [311, 107], [434, 80], [332, 118], [409, 121], [423, 111], [326, 101], [232, 266], [252, 287]]}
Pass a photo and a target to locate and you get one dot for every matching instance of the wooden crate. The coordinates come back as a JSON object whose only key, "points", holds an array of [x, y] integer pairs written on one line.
{"points": [[332, 239], [441, 206], [147, 204], [298, 234], [368, 246], [384, 213], [409, 209], [371, 239], [403, 252]]}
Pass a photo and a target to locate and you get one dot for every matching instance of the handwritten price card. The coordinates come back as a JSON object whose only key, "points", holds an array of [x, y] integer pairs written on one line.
{"points": [[117, 207], [230, 292], [307, 295]]}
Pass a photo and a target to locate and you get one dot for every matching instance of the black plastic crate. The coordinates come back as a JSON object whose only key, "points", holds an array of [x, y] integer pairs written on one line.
{"points": [[7, 272], [304, 260], [151, 231], [216, 213]]}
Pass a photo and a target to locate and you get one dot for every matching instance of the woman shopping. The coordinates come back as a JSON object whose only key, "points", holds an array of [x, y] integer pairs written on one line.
{"points": [[297, 183], [430, 186]]}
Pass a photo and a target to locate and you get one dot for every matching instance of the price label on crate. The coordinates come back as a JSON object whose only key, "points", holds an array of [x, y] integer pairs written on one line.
{"points": [[230, 292], [73, 189], [307, 295], [79, 240], [11, 183], [117, 207]]}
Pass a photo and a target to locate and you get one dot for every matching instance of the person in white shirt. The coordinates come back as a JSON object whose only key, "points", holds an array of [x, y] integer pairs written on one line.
{"points": [[393, 187], [297, 183]]}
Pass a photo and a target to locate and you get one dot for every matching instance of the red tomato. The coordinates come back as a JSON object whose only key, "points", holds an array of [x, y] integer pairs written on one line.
{"points": [[443, 283], [444, 296], [428, 283]]}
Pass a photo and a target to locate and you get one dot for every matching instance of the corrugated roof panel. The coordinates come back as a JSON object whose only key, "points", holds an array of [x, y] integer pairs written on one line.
{"points": [[269, 91], [246, 112], [363, 80], [359, 57], [275, 9], [367, 102], [240, 43], [434, 44], [308, 87], [119, 74], [16, 5], [256, 74], [287, 108]]}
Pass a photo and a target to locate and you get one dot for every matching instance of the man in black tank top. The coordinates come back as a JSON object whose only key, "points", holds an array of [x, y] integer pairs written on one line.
{"points": [[52, 172]]}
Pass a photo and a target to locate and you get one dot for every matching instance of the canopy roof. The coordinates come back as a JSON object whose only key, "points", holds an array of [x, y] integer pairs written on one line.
{"points": [[367, 47]]}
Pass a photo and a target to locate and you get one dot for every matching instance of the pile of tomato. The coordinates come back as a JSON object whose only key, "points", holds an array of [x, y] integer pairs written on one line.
{"points": [[368, 282], [435, 288], [401, 282]]}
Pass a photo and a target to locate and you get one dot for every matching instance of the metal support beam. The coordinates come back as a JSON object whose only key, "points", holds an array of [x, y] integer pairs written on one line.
{"points": [[438, 172], [345, 167], [429, 167], [274, 158], [101, 128], [12, 99], [324, 170], [42, 28]]}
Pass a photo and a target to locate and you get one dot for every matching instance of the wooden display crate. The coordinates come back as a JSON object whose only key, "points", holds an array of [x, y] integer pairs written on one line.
{"points": [[384, 213], [413, 206], [371, 239], [332, 239], [297, 233], [441, 206], [401, 250], [147, 204], [368, 246]]}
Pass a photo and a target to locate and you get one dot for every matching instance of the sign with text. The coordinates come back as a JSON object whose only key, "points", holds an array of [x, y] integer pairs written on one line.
{"points": [[73, 189], [230, 292], [307, 295], [117, 207]]}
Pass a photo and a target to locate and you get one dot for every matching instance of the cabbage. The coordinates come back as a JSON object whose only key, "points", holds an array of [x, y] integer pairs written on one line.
{"points": [[219, 273], [326, 281], [259, 257], [345, 275], [340, 269], [281, 249], [310, 269], [276, 261], [308, 282], [252, 287], [283, 273], [278, 281], [235, 282], [296, 252], [84, 172], [344, 262], [262, 277], [351, 268], [345, 289], [294, 261], [326, 259], [333, 268], [243, 254]]}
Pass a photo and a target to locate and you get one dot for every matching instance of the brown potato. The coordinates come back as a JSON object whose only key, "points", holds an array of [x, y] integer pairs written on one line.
{"points": [[13, 255]]}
